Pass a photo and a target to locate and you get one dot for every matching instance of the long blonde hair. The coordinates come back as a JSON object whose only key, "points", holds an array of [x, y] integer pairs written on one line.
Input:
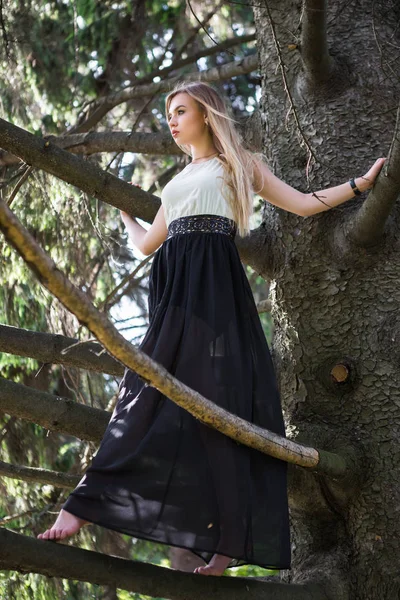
{"points": [[237, 161]]}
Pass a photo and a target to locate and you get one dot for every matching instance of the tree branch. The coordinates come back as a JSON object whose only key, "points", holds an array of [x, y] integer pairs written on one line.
{"points": [[109, 141], [155, 374], [196, 28], [89, 178], [36, 475], [367, 225], [55, 559], [257, 250], [178, 64], [125, 141], [53, 348], [99, 107], [318, 63], [52, 412]]}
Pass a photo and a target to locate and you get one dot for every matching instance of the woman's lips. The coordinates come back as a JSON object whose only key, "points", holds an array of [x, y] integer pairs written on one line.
{"points": [[175, 133]]}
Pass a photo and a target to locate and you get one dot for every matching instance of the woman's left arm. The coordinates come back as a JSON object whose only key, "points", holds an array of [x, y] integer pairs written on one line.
{"points": [[281, 194]]}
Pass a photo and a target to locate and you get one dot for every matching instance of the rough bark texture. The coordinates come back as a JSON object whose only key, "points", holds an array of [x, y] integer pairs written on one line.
{"points": [[335, 307]]}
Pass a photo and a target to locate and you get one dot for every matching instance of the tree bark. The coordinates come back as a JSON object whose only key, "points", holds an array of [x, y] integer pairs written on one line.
{"points": [[336, 303], [55, 559]]}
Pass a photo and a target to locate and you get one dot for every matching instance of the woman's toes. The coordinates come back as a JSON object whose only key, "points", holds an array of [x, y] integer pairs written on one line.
{"points": [[200, 570]]}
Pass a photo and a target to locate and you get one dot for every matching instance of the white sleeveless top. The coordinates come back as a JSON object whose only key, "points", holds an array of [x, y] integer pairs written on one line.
{"points": [[196, 190]]}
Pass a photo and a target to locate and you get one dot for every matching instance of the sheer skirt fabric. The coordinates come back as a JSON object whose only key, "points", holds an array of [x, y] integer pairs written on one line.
{"points": [[159, 473]]}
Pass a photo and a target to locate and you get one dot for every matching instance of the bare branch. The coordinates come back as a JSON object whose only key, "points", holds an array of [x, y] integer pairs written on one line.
{"points": [[105, 305], [178, 64], [195, 30], [367, 226], [55, 559], [57, 349], [36, 475], [155, 374], [52, 412], [24, 177], [201, 24]]}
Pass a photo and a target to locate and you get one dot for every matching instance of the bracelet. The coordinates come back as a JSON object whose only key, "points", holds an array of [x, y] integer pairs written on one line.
{"points": [[354, 187]]}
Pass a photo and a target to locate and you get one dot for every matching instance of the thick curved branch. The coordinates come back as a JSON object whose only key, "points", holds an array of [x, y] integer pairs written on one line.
{"points": [[58, 349], [86, 176], [103, 105], [367, 226], [54, 559], [53, 412], [318, 63], [37, 475], [107, 141], [155, 374], [140, 143]]}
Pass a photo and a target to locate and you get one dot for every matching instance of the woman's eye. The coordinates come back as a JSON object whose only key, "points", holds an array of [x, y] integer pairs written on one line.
{"points": [[179, 111]]}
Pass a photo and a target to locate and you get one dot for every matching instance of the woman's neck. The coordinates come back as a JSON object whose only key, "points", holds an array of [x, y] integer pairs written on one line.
{"points": [[199, 157]]}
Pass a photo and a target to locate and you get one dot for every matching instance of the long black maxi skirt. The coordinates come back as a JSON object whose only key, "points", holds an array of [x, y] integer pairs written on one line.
{"points": [[159, 473]]}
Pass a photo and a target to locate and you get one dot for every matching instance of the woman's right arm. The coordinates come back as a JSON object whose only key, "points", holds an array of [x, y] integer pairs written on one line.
{"points": [[147, 241]]}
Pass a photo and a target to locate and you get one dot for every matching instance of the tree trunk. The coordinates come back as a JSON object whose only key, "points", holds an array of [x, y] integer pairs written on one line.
{"points": [[334, 304]]}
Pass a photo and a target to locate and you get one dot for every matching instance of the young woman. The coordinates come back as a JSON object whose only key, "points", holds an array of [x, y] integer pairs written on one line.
{"points": [[159, 473]]}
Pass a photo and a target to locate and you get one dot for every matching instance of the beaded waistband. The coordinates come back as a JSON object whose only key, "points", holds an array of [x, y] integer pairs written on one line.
{"points": [[204, 223]]}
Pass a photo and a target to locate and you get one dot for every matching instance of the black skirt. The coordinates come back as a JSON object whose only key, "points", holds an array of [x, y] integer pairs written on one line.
{"points": [[159, 473]]}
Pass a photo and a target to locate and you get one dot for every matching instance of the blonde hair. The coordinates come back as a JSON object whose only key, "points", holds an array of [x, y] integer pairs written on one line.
{"points": [[237, 161]]}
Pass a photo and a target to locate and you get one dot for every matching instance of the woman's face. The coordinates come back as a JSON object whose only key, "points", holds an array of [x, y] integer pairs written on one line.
{"points": [[186, 120]]}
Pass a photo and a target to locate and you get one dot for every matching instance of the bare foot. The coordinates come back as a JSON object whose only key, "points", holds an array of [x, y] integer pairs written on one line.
{"points": [[65, 525], [216, 566]]}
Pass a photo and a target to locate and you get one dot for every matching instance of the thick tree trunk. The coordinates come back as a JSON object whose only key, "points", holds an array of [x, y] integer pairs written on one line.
{"points": [[335, 305]]}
